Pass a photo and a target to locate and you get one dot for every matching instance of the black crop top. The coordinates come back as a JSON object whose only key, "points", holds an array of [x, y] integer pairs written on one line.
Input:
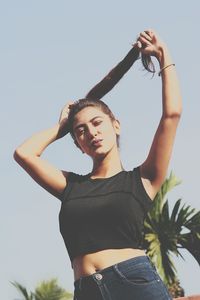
{"points": [[103, 213]]}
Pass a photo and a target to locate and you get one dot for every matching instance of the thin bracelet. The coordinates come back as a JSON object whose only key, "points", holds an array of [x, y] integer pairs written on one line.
{"points": [[159, 73]]}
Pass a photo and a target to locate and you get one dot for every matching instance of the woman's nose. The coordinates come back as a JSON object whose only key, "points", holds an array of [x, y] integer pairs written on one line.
{"points": [[92, 131]]}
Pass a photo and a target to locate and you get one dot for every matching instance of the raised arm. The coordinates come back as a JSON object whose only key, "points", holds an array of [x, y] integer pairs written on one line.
{"points": [[154, 169], [28, 156]]}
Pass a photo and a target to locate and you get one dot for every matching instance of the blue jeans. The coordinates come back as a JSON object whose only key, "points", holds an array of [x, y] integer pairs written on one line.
{"points": [[132, 279]]}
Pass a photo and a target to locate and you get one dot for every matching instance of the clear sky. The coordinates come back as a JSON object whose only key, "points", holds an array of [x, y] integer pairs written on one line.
{"points": [[55, 51]]}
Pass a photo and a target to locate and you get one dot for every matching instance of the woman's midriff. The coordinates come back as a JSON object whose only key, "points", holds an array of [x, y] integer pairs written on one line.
{"points": [[88, 264]]}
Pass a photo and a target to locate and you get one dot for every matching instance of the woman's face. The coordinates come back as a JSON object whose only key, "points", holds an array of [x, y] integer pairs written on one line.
{"points": [[94, 131]]}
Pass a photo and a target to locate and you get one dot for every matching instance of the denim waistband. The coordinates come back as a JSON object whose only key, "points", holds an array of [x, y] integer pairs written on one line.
{"points": [[132, 262]]}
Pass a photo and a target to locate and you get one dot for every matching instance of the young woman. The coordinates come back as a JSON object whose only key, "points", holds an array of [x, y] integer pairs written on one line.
{"points": [[102, 213]]}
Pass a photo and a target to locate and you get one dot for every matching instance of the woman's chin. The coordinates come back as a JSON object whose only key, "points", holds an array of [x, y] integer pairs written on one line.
{"points": [[100, 153]]}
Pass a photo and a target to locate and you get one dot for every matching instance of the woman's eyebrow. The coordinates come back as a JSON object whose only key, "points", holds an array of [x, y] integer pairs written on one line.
{"points": [[82, 124]]}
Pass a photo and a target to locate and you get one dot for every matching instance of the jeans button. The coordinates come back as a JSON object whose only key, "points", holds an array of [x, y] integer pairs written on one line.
{"points": [[98, 276]]}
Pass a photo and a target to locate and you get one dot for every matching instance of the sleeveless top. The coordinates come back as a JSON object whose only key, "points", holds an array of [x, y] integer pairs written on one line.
{"points": [[103, 213]]}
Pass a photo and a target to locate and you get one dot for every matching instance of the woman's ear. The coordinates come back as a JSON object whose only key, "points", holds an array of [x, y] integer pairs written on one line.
{"points": [[117, 127]]}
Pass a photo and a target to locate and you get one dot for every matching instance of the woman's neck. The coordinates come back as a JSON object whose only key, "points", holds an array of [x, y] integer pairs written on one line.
{"points": [[108, 166]]}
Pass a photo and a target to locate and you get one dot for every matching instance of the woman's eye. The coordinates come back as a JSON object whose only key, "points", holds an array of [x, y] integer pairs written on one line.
{"points": [[97, 122], [80, 131]]}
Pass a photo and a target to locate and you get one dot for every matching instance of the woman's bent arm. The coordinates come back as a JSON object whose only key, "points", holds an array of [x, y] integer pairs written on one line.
{"points": [[28, 156]]}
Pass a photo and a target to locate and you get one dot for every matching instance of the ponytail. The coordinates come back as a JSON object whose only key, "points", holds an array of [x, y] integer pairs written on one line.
{"points": [[113, 77], [147, 63]]}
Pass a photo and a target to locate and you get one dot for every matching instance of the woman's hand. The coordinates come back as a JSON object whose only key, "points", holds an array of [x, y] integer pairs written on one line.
{"points": [[150, 43], [63, 120]]}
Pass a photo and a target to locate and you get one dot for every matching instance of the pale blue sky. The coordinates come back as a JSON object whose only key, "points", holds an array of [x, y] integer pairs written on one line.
{"points": [[55, 51]]}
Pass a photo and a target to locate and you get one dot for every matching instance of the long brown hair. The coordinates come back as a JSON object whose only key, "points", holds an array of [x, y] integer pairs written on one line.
{"points": [[114, 76], [107, 83]]}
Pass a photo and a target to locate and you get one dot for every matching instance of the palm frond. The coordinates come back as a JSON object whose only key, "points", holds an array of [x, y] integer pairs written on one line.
{"points": [[191, 242], [50, 290], [159, 200], [193, 223], [23, 291], [175, 210], [185, 212], [164, 232]]}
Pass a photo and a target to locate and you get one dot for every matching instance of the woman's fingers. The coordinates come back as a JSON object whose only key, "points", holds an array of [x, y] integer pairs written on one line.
{"points": [[146, 34], [138, 44], [150, 32], [70, 104], [144, 41], [65, 111], [149, 43]]}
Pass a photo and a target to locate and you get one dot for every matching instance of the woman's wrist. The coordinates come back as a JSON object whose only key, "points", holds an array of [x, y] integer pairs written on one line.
{"points": [[163, 56], [62, 129]]}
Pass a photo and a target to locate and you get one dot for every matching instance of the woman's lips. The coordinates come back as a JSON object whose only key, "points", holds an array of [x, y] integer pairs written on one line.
{"points": [[96, 142]]}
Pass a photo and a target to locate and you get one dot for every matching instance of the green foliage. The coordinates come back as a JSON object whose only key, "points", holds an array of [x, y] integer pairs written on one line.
{"points": [[23, 291], [46, 290], [49, 290], [164, 232]]}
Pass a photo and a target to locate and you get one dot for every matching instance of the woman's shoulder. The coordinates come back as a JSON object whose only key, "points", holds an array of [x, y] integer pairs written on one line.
{"points": [[74, 177]]}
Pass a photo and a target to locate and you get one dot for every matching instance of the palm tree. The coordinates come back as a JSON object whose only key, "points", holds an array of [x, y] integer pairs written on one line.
{"points": [[49, 290], [23, 291], [46, 290], [165, 233]]}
